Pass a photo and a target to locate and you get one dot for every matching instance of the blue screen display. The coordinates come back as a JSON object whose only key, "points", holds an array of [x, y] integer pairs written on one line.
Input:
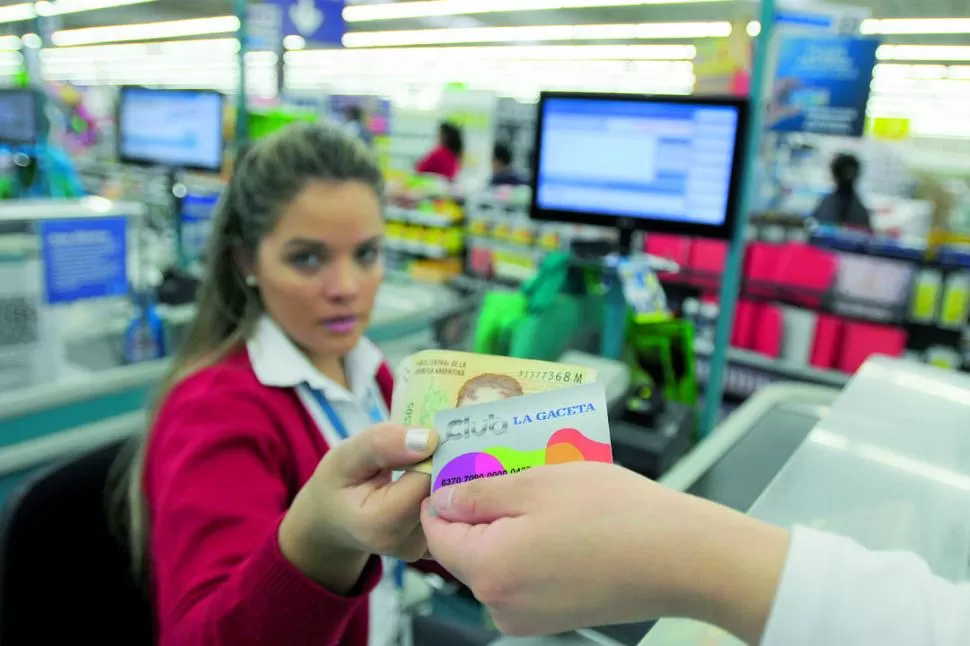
{"points": [[637, 159], [171, 128]]}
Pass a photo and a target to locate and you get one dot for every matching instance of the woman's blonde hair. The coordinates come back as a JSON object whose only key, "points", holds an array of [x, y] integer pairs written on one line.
{"points": [[266, 178]]}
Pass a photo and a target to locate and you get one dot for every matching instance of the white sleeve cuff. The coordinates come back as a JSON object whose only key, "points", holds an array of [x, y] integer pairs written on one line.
{"points": [[834, 591]]}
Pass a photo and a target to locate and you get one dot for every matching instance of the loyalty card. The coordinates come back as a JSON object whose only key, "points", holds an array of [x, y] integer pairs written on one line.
{"points": [[435, 380], [502, 437]]}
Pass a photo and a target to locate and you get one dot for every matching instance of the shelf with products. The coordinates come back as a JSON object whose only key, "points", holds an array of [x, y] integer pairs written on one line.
{"points": [[425, 234], [505, 244], [824, 309]]}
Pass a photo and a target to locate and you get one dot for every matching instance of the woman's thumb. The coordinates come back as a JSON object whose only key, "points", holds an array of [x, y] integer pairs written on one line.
{"points": [[480, 501]]}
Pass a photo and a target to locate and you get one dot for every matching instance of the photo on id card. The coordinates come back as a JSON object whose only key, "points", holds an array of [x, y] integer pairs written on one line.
{"points": [[512, 435]]}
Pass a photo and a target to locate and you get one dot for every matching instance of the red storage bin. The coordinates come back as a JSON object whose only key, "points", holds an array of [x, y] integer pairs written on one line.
{"points": [[828, 341], [807, 272], [675, 248], [761, 268], [860, 340], [707, 259], [745, 319], [768, 331]]}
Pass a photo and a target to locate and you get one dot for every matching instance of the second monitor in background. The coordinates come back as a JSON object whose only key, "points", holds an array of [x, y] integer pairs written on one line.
{"points": [[174, 129], [654, 163]]}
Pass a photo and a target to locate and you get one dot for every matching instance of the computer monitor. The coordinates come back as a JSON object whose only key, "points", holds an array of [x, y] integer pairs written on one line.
{"points": [[176, 129], [655, 163], [19, 116]]}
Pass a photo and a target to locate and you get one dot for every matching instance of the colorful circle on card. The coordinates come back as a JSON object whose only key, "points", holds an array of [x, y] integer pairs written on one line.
{"points": [[565, 445]]}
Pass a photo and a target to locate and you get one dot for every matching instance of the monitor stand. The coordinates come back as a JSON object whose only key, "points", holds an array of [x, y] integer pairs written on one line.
{"points": [[596, 249], [613, 337]]}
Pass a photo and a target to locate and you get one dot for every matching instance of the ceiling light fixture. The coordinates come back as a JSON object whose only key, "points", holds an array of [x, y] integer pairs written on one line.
{"points": [[10, 43], [923, 53], [623, 31], [17, 12], [511, 52], [430, 8], [893, 26], [65, 7], [294, 42], [146, 31], [23, 11]]}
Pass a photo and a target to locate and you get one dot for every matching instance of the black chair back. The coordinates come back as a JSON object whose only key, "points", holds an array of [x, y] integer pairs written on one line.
{"points": [[64, 576]]}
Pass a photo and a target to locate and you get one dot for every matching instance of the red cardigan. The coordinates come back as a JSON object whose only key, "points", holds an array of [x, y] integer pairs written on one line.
{"points": [[225, 459], [440, 161]]}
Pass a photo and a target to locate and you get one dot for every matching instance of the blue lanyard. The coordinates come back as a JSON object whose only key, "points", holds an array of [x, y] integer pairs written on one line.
{"points": [[376, 415]]}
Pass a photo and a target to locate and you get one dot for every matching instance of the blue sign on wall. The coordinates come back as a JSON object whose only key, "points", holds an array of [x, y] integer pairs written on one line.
{"points": [[822, 84], [84, 259], [317, 21], [197, 212]]}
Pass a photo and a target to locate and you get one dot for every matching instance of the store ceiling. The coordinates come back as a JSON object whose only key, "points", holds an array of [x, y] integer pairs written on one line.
{"points": [[175, 9]]}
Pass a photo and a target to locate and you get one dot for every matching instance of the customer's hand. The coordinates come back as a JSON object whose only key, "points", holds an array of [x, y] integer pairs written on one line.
{"points": [[584, 544], [351, 508]]}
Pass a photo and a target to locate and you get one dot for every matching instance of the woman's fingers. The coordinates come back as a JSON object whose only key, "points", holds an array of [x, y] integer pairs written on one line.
{"points": [[383, 447]]}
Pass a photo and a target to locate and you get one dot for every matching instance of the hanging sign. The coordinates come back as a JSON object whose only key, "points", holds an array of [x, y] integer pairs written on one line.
{"points": [[822, 84]]}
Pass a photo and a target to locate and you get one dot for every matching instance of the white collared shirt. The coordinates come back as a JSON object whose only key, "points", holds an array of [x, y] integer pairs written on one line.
{"points": [[278, 363]]}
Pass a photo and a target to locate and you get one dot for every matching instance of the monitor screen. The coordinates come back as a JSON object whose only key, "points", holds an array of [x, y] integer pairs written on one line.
{"points": [[19, 116], [660, 163], [171, 128]]}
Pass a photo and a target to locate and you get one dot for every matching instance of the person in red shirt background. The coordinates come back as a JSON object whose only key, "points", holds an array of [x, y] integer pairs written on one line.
{"points": [[445, 158], [262, 498]]}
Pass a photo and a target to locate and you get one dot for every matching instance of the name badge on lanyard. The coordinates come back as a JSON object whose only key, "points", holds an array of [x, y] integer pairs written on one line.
{"points": [[376, 416]]}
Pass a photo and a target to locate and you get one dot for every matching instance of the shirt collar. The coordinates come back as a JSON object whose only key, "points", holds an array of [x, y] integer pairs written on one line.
{"points": [[278, 363]]}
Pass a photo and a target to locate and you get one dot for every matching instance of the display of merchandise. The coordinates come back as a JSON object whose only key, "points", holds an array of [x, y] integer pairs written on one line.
{"points": [[642, 289], [425, 234], [826, 305], [503, 242]]}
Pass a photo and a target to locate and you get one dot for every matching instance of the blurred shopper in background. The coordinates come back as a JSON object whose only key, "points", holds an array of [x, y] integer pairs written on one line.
{"points": [[570, 546], [445, 158], [502, 172], [843, 208], [355, 123]]}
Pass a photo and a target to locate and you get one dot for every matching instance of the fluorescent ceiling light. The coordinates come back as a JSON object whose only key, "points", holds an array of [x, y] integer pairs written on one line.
{"points": [[65, 7], [146, 31], [623, 31], [916, 26], [293, 42], [28, 11], [429, 8], [17, 12], [208, 48], [923, 53], [516, 53], [10, 43]]}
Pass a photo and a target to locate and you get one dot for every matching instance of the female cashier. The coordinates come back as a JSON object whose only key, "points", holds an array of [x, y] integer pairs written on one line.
{"points": [[264, 487]]}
